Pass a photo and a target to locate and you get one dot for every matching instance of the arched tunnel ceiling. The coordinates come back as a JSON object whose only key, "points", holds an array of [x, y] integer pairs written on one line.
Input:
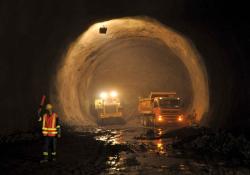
{"points": [[92, 52]]}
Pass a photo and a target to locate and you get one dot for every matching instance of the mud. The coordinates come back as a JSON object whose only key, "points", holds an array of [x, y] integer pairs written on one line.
{"points": [[116, 150], [78, 153], [159, 156]]}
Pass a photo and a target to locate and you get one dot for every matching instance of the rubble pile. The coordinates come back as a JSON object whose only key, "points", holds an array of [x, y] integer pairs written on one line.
{"points": [[210, 143]]}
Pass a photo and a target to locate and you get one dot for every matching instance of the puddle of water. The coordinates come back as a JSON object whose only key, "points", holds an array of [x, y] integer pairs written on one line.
{"points": [[160, 132], [182, 167], [112, 137], [160, 147], [157, 157], [157, 146], [116, 164]]}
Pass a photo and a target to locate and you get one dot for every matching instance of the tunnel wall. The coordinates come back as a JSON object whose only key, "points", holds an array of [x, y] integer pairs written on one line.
{"points": [[36, 34], [77, 62]]}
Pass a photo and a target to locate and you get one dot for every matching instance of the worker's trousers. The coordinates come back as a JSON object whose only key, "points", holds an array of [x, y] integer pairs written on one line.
{"points": [[49, 147]]}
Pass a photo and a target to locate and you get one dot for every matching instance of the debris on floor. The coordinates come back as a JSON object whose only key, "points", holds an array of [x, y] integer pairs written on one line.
{"points": [[209, 143]]}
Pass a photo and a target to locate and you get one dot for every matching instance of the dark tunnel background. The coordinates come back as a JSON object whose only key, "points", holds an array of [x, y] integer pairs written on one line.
{"points": [[36, 34]]}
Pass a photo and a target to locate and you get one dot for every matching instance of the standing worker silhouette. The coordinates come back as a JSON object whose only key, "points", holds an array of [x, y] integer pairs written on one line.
{"points": [[51, 131]]}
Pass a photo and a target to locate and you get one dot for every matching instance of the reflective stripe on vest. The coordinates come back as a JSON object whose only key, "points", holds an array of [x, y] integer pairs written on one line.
{"points": [[49, 125]]}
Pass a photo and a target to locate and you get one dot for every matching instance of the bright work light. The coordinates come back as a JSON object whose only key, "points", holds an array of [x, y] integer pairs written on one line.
{"points": [[103, 95], [113, 94]]}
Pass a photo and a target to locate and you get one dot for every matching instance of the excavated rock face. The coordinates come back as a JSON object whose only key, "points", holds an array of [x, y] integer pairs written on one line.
{"points": [[198, 49], [135, 56]]}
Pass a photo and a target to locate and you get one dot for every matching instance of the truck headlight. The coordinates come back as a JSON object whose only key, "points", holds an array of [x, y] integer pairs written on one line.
{"points": [[180, 118], [159, 118]]}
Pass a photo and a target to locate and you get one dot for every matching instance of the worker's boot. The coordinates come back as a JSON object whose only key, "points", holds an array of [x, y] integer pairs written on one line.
{"points": [[53, 155], [45, 157]]}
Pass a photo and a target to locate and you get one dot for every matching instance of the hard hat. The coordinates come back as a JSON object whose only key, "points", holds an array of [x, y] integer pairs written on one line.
{"points": [[49, 106]]}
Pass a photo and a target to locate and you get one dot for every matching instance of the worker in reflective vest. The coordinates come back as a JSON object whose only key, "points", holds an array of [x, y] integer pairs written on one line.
{"points": [[50, 130]]}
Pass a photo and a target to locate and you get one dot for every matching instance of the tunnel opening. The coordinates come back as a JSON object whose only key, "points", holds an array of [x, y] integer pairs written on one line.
{"points": [[135, 56], [143, 65]]}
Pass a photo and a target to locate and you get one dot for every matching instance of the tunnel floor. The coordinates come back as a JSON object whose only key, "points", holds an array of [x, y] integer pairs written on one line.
{"points": [[78, 153], [112, 149], [155, 155]]}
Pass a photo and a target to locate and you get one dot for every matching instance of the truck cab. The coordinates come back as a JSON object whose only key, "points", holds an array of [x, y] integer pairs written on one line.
{"points": [[168, 110], [161, 109]]}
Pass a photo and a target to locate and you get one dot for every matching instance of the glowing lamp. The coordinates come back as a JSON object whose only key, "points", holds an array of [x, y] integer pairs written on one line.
{"points": [[160, 118], [103, 95], [180, 118], [113, 94]]}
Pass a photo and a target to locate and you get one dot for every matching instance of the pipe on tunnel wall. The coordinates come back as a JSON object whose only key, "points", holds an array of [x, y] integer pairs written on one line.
{"points": [[74, 69]]}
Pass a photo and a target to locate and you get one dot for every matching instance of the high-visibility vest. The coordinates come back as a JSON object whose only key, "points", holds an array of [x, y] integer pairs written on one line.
{"points": [[49, 125]]}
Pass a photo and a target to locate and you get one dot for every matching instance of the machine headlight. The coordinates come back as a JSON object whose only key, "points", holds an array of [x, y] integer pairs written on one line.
{"points": [[113, 94], [103, 95]]}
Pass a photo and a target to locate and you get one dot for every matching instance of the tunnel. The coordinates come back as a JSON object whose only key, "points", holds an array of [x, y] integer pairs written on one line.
{"points": [[198, 49], [68, 53], [136, 56]]}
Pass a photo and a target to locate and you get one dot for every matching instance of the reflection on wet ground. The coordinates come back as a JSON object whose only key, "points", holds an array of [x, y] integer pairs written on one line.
{"points": [[112, 137], [155, 156]]}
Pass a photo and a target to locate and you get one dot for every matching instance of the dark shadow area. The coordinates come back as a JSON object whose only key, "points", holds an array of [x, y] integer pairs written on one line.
{"points": [[212, 145]]}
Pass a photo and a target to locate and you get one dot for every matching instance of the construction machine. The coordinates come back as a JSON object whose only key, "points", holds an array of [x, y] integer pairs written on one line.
{"points": [[108, 105]]}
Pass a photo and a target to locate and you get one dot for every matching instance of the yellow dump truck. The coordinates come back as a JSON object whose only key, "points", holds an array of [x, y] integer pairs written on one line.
{"points": [[161, 109], [108, 106]]}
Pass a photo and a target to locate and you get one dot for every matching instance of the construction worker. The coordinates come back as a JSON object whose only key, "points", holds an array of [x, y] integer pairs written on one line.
{"points": [[50, 130]]}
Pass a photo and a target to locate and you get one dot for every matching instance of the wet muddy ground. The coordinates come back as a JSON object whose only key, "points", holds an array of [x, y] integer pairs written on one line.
{"points": [[110, 150], [156, 156], [78, 153]]}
